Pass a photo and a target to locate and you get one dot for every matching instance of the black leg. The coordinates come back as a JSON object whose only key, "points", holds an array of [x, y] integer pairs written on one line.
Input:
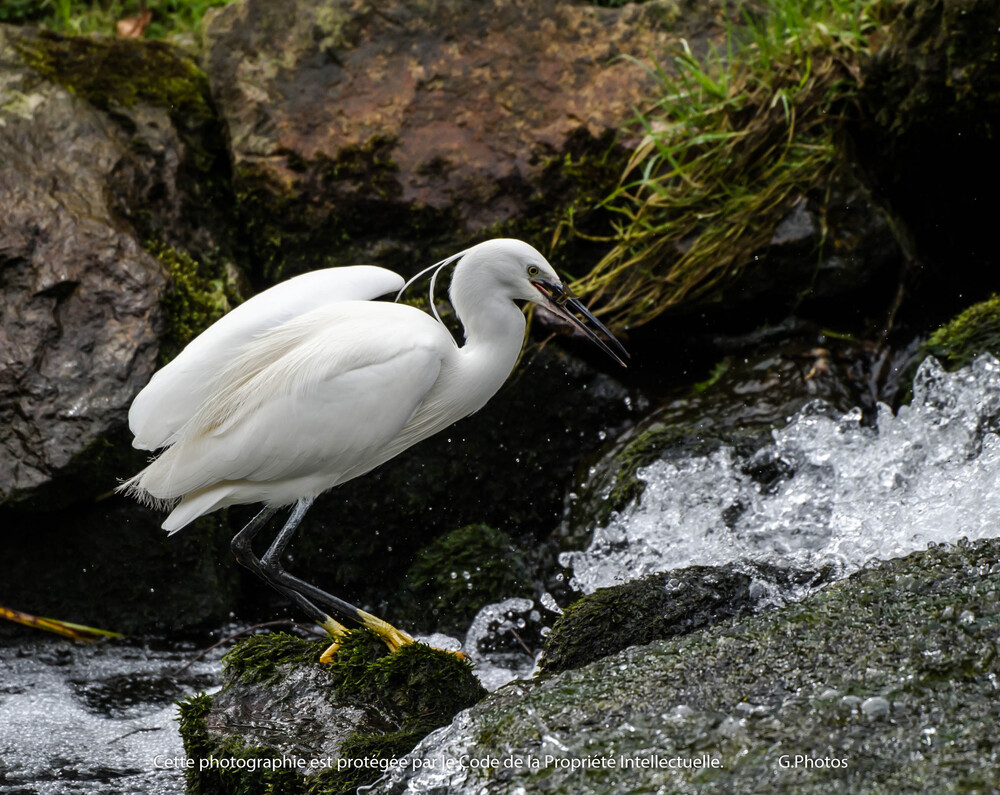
{"points": [[243, 550], [300, 592], [270, 562]]}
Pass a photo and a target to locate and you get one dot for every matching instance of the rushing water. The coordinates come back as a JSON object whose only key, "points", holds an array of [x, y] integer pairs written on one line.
{"points": [[90, 719], [835, 494]]}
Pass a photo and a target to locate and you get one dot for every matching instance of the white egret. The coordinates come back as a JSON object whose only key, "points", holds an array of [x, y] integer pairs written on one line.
{"points": [[312, 383]]}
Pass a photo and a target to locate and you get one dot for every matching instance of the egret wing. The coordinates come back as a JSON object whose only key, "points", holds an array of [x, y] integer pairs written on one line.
{"points": [[175, 392], [308, 405]]}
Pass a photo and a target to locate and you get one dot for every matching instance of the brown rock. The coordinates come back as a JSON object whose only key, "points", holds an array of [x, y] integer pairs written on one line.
{"points": [[361, 121]]}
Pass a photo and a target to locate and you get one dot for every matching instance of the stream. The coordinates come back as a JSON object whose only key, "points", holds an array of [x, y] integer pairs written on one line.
{"points": [[78, 718]]}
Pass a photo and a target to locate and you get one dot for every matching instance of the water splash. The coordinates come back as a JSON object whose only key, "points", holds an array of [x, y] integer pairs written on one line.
{"points": [[827, 491], [496, 643]]}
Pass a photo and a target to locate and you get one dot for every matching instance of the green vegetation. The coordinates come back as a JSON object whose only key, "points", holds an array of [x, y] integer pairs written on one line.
{"points": [[170, 17], [739, 133], [260, 658], [972, 332], [460, 572], [122, 72], [413, 691], [201, 291]]}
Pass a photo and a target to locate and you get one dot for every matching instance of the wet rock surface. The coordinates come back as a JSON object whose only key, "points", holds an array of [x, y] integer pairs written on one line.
{"points": [[662, 605], [850, 679], [78, 295]]}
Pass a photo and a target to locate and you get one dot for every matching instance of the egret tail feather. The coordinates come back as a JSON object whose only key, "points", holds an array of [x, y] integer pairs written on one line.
{"points": [[196, 504], [133, 488]]}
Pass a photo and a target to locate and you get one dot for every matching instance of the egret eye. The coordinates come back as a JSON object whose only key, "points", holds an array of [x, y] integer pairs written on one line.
{"points": [[533, 270]]}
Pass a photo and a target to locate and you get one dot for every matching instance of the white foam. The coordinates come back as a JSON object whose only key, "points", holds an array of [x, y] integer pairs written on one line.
{"points": [[930, 473]]}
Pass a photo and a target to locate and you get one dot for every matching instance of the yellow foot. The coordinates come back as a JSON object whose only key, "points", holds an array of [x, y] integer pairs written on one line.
{"points": [[394, 638], [337, 631]]}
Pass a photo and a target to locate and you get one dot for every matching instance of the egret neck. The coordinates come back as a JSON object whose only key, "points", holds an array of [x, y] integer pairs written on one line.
{"points": [[494, 334]]}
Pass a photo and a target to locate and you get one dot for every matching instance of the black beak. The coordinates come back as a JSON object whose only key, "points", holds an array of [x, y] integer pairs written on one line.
{"points": [[563, 303]]}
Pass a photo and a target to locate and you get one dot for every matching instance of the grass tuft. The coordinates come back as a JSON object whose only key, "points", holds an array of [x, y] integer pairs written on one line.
{"points": [[73, 17], [738, 133]]}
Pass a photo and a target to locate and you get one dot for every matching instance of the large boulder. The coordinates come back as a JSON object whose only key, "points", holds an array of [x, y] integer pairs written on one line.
{"points": [[80, 297], [880, 682], [370, 131], [284, 721], [109, 150]]}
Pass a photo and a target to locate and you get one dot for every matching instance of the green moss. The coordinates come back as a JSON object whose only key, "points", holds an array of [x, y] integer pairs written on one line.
{"points": [[974, 331], [644, 610], [424, 686], [191, 713], [414, 690], [228, 763], [458, 573], [420, 686], [112, 73], [260, 658], [222, 774], [200, 292]]}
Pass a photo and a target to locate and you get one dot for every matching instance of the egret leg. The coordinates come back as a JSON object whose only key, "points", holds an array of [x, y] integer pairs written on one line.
{"points": [[275, 574], [243, 550]]}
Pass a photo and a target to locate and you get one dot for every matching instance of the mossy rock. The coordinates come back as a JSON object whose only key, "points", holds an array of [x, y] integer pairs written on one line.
{"points": [[175, 183], [284, 722], [458, 573], [659, 606], [891, 672], [201, 291], [971, 333], [119, 73]]}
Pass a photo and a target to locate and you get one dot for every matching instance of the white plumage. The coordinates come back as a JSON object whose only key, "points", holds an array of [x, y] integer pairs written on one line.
{"points": [[312, 383]]}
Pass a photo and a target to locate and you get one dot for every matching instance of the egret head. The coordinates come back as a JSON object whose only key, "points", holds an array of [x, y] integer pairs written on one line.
{"points": [[521, 272], [514, 270]]}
